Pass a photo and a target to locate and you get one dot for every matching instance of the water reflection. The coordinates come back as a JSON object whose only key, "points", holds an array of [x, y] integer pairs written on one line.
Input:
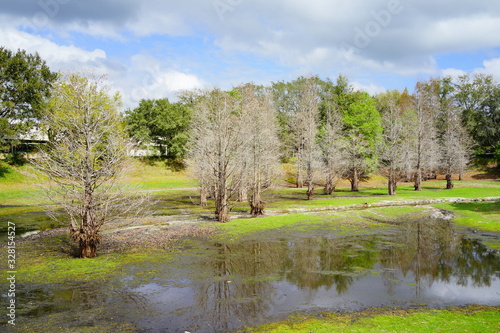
{"points": [[220, 287], [421, 262]]}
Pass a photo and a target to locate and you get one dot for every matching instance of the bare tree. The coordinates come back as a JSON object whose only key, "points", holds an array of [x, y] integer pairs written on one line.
{"points": [[305, 122], [394, 139], [455, 143], [330, 142], [216, 145], [260, 156], [425, 147], [85, 156]]}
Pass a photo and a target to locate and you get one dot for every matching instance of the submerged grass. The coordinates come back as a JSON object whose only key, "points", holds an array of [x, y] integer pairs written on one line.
{"points": [[351, 221], [470, 319], [51, 260]]}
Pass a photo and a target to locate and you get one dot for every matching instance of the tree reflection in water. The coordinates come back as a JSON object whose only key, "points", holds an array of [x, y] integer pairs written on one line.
{"points": [[219, 287], [243, 288]]}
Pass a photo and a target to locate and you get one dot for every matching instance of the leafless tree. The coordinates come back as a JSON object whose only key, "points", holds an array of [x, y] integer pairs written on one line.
{"points": [[216, 143], [86, 154], [455, 143], [260, 156], [425, 146], [330, 142], [304, 123], [394, 139]]}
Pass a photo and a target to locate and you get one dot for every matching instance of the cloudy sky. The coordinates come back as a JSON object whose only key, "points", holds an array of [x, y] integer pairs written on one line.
{"points": [[153, 48]]}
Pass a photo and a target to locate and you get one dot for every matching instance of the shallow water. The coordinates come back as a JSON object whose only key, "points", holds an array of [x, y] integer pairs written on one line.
{"points": [[219, 287]]}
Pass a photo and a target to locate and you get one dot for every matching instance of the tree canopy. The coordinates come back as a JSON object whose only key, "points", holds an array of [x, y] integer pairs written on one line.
{"points": [[25, 83], [160, 124]]}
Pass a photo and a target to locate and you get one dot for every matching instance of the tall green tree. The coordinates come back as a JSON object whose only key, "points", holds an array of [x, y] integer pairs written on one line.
{"points": [[478, 97], [25, 83], [160, 124], [362, 131]]}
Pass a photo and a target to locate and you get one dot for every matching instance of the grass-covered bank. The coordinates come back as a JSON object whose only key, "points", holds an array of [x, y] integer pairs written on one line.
{"points": [[345, 221], [177, 195], [51, 259], [482, 319], [479, 215]]}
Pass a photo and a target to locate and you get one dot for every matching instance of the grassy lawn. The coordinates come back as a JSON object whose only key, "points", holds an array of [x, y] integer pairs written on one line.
{"points": [[176, 194], [151, 176], [471, 319], [291, 198], [342, 221], [479, 215]]}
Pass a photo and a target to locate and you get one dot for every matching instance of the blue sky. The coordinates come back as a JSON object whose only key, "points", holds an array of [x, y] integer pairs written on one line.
{"points": [[154, 48]]}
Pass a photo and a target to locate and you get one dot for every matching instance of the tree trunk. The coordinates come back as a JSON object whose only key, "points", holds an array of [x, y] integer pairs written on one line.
{"points": [[88, 248], [300, 181], [310, 190], [256, 204], [221, 210], [329, 187], [391, 185], [242, 194], [203, 195], [460, 175], [449, 181], [355, 181], [418, 180]]}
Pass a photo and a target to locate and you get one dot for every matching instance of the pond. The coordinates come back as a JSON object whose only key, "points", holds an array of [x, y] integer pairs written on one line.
{"points": [[220, 287]]}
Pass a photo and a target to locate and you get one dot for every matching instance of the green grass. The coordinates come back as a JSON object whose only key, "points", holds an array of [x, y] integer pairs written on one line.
{"points": [[240, 227], [151, 176], [478, 215], [472, 319], [357, 220], [177, 194], [394, 212], [292, 198], [49, 261]]}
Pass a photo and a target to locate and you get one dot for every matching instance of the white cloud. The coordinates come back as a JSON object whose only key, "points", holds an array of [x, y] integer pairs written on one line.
{"points": [[372, 89], [164, 83], [453, 72], [57, 57], [461, 34], [301, 36], [146, 78], [492, 67]]}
